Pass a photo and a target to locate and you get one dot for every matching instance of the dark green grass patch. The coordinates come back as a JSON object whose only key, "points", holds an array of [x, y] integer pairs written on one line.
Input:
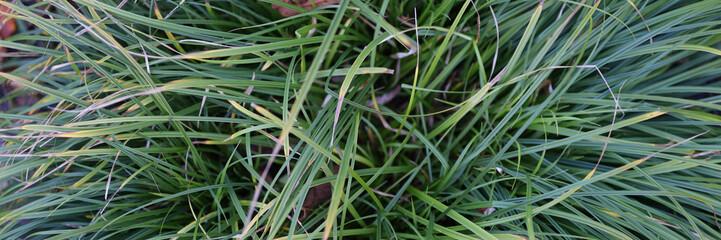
{"points": [[362, 120]]}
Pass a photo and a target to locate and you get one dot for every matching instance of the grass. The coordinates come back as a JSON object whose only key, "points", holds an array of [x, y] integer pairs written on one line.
{"points": [[363, 120]]}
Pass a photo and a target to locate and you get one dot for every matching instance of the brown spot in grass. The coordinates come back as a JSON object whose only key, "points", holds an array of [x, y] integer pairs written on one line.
{"points": [[7, 27], [317, 195], [8, 24]]}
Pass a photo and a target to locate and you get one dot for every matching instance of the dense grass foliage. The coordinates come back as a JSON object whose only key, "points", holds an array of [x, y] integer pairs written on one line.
{"points": [[363, 120]]}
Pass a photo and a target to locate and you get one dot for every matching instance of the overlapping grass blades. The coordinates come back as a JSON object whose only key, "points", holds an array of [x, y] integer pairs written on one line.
{"points": [[448, 119]]}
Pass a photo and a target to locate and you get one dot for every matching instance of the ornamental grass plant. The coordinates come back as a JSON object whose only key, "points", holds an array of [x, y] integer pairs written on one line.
{"points": [[356, 119]]}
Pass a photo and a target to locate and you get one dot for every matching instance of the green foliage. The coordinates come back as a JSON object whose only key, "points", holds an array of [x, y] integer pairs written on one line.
{"points": [[489, 120]]}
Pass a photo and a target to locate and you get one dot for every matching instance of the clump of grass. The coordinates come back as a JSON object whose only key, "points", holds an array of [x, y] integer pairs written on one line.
{"points": [[381, 119]]}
